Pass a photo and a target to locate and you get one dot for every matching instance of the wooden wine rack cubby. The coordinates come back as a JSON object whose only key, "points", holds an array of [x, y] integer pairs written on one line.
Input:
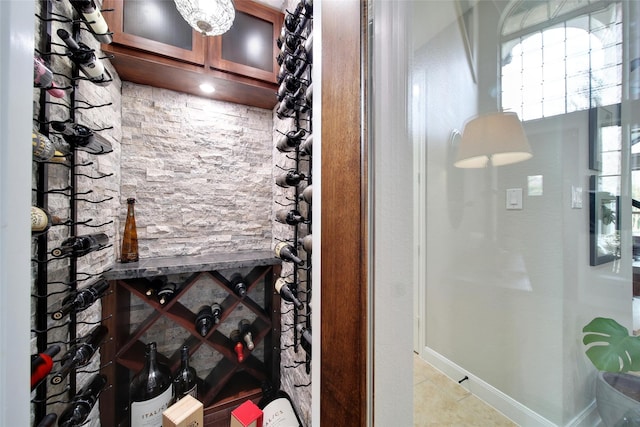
{"points": [[228, 383]]}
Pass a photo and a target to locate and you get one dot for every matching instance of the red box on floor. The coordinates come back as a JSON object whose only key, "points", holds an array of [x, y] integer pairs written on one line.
{"points": [[246, 415]]}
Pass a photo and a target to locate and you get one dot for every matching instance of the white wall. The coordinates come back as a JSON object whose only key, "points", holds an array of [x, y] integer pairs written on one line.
{"points": [[391, 192], [16, 62]]}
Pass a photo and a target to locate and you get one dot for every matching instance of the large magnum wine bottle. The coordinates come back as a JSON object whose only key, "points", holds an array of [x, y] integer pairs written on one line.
{"points": [[80, 354], [84, 57], [41, 221], [81, 137], [129, 248], [78, 410], [41, 365], [277, 408], [94, 19], [286, 252], [286, 293], [151, 391], [185, 381], [81, 245], [82, 299]]}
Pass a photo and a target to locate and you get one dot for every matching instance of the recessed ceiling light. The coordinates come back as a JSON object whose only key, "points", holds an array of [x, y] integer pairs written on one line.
{"points": [[207, 88]]}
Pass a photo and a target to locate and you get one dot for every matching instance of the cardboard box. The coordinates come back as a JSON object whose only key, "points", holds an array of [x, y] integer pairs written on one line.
{"points": [[186, 412], [246, 415]]}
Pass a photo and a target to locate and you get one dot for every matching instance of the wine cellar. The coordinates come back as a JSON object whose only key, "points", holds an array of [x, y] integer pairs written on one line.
{"points": [[240, 207]]}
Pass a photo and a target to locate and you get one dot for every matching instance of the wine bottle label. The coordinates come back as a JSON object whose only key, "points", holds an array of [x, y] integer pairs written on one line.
{"points": [[43, 149], [39, 220], [94, 70], [149, 412], [193, 392], [98, 24], [279, 413], [279, 247]]}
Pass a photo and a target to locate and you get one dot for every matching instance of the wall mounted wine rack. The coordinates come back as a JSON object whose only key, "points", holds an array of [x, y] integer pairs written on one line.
{"points": [[295, 113], [56, 188]]}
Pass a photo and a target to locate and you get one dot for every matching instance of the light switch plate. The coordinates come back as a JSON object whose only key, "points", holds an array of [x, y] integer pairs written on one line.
{"points": [[576, 197], [514, 198]]}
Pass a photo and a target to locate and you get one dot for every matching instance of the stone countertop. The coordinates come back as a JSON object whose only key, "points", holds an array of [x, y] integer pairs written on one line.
{"points": [[150, 267]]}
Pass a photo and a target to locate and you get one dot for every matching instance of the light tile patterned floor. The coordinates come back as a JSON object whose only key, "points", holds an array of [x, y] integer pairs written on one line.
{"points": [[440, 401]]}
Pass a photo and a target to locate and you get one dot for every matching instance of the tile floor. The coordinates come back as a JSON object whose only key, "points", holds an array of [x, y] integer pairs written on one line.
{"points": [[440, 401]]}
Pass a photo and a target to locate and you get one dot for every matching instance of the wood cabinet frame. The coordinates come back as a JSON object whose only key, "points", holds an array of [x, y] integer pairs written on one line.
{"points": [[214, 47], [344, 250], [115, 19]]}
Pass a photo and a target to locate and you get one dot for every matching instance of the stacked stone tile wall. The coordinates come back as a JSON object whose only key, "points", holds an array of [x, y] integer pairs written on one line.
{"points": [[200, 171]]}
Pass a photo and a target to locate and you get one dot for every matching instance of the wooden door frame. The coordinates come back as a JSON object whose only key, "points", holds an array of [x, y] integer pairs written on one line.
{"points": [[344, 249]]}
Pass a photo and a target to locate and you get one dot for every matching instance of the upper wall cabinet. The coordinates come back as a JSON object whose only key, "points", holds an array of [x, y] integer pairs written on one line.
{"points": [[153, 45]]}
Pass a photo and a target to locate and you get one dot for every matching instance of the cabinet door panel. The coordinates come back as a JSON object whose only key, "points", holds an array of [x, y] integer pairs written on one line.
{"points": [[249, 47], [154, 26]]}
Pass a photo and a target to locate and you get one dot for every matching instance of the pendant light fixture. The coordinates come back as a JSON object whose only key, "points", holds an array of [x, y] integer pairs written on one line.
{"points": [[209, 17]]}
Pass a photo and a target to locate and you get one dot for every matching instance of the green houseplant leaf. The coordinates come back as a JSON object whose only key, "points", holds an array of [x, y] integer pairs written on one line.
{"points": [[611, 349]]}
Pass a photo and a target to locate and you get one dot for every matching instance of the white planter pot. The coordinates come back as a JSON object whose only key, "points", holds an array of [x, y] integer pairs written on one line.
{"points": [[617, 398]]}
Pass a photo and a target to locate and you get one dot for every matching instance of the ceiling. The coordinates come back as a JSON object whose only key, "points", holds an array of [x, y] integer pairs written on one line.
{"points": [[276, 4]]}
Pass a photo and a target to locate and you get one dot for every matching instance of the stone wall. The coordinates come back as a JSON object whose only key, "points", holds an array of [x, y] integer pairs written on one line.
{"points": [[200, 171]]}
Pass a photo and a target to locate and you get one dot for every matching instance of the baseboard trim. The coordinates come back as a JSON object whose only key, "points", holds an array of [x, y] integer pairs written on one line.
{"points": [[509, 407]]}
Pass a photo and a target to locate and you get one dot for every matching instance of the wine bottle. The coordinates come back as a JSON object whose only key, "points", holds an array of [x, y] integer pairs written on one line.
{"points": [[306, 194], [305, 338], [290, 104], [306, 242], [185, 381], [151, 390], [166, 292], [290, 85], [288, 253], [290, 217], [129, 247], [41, 365], [81, 137], [82, 299], [155, 284], [238, 346], [81, 245], [286, 293], [85, 58], [277, 408], [81, 353], [308, 47], [290, 140], [204, 320], [43, 148], [80, 407], [244, 326], [48, 420], [41, 221], [237, 285], [43, 78], [289, 179], [308, 94], [216, 310], [307, 146], [94, 19]]}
